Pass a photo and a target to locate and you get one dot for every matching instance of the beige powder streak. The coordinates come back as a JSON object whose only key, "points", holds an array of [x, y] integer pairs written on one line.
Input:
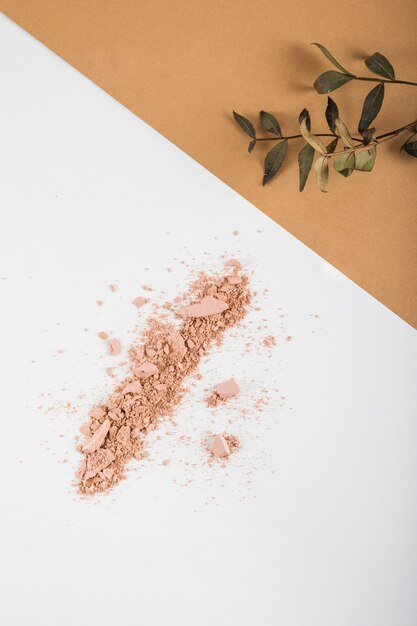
{"points": [[159, 366]]}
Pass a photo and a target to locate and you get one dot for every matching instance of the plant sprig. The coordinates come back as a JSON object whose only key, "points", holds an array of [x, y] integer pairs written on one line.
{"points": [[347, 152]]}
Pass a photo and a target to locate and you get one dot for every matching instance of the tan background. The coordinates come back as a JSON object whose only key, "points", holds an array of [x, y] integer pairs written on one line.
{"points": [[183, 65]]}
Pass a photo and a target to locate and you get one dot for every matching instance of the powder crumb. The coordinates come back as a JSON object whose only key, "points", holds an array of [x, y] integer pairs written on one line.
{"points": [[166, 462], [99, 302], [206, 307], [131, 412], [222, 392], [235, 233], [288, 338], [233, 263], [115, 347], [147, 288], [139, 301], [113, 288], [269, 341], [103, 335], [222, 446]]}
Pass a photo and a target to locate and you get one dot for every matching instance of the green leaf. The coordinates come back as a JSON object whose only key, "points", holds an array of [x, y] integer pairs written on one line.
{"points": [[332, 146], [270, 124], [321, 168], [305, 160], [371, 106], [244, 124], [332, 112], [368, 135], [378, 64], [345, 163], [410, 148], [251, 145], [314, 141], [305, 115], [331, 58], [344, 133], [365, 159], [331, 80], [274, 159]]}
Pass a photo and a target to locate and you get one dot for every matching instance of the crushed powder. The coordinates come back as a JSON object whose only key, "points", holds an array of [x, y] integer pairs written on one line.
{"points": [[269, 341], [159, 368], [222, 446], [223, 392]]}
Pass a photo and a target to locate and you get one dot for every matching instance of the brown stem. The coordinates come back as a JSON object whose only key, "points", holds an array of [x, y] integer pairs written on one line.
{"points": [[392, 133]]}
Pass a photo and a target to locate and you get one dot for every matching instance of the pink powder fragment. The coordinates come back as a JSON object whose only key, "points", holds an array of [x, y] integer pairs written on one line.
{"points": [[269, 341], [113, 288], [234, 280], [233, 263], [139, 301], [99, 302], [219, 447], [145, 370], [103, 335], [97, 440], [115, 347], [206, 307], [96, 412], [228, 389], [133, 387]]}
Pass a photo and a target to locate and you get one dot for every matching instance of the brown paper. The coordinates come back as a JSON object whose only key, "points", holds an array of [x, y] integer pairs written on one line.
{"points": [[183, 65]]}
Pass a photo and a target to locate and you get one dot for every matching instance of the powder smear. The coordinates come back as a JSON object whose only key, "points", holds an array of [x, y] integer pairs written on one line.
{"points": [[159, 366]]}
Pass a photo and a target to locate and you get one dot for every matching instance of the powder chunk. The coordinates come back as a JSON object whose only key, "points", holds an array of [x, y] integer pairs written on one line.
{"points": [[234, 280], [145, 370], [177, 343], [96, 412], [233, 263], [139, 301], [228, 389], [115, 347], [134, 387], [103, 335], [219, 447], [97, 440], [98, 461], [209, 305]]}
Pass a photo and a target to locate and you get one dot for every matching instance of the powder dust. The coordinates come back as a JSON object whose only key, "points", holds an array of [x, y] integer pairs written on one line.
{"points": [[166, 356]]}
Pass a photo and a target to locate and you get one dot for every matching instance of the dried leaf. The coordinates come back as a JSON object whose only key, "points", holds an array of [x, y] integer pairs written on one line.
{"points": [[314, 141], [305, 160], [332, 112], [345, 163], [365, 160], [274, 159], [331, 80], [270, 124], [332, 146], [321, 168], [344, 134], [410, 148], [331, 58], [371, 106], [368, 135], [305, 115], [245, 124], [251, 145], [378, 64]]}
